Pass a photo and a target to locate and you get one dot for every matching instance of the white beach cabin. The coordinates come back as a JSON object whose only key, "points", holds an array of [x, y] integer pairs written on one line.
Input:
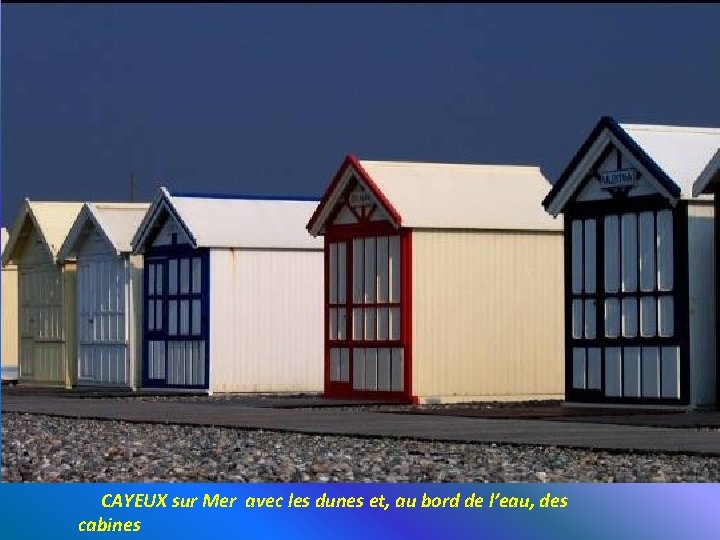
{"points": [[233, 294], [109, 293]]}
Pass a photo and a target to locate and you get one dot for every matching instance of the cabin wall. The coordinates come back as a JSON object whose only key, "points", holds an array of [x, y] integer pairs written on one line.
{"points": [[266, 313], [9, 298], [701, 283], [487, 310], [135, 309]]}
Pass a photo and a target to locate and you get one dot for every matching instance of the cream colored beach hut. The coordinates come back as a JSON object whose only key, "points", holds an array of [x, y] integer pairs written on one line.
{"points": [[46, 314], [9, 299], [109, 293], [443, 283]]}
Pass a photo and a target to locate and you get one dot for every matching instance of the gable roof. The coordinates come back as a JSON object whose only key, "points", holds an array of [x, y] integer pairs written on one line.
{"points": [[445, 195], [228, 221], [709, 177], [52, 220], [673, 155], [117, 222]]}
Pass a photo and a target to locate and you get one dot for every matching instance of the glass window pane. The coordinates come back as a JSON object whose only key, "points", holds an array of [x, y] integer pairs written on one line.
{"points": [[358, 324], [172, 317], [158, 315], [646, 224], [332, 274], [341, 273], [648, 316], [590, 256], [370, 271], [370, 324], [577, 318], [358, 271], [332, 322], [172, 276], [382, 269], [151, 279], [196, 318], [590, 319], [629, 253], [395, 323], [383, 323], [612, 254], [666, 316], [184, 317], [158, 279], [577, 256], [184, 276], [196, 275], [151, 315], [612, 317], [629, 317]]}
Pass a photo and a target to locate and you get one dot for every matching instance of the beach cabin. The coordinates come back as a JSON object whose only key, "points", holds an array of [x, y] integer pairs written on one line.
{"points": [[232, 295], [443, 283], [46, 315], [109, 293], [639, 290], [708, 183], [9, 301]]}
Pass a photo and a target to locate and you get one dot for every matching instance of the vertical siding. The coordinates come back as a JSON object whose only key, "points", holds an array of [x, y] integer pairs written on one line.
{"points": [[69, 299], [9, 299], [701, 282], [266, 321], [487, 315]]}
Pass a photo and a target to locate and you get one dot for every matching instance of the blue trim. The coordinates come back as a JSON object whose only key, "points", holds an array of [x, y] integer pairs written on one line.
{"points": [[609, 123], [201, 195], [160, 255]]}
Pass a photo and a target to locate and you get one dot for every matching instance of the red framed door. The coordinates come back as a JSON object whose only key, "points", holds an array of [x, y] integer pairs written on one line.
{"points": [[366, 353]]}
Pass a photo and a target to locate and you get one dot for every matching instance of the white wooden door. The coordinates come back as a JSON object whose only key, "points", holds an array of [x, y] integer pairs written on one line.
{"points": [[102, 323]]}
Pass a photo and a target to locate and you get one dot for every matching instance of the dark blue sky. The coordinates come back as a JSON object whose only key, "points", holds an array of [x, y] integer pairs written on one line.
{"points": [[268, 99]]}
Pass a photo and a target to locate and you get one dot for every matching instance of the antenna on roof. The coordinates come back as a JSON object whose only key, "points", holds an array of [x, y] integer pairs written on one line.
{"points": [[132, 186]]}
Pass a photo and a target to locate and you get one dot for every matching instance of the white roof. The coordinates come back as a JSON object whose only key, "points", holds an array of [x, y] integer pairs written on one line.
{"points": [[682, 152], [213, 221], [116, 221], [709, 175], [456, 196], [51, 219]]}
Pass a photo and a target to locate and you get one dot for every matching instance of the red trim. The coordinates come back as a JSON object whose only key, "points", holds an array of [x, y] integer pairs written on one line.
{"points": [[326, 316], [352, 161], [340, 233]]}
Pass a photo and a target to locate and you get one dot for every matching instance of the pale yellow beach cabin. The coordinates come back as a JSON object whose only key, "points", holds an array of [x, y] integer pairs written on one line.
{"points": [[444, 283], [8, 298], [46, 300]]}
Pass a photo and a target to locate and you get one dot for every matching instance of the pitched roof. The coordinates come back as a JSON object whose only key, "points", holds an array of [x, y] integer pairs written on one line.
{"points": [[116, 221], [446, 195], [226, 221], [710, 176], [52, 220], [674, 156]]}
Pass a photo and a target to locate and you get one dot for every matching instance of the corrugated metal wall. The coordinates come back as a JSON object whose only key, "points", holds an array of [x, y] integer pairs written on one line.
{"points": [[487, 315], [701, 281], [9, 298], [266, 321]]}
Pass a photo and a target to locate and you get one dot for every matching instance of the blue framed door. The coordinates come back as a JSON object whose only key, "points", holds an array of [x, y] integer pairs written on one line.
{"points": [[176, 321]]}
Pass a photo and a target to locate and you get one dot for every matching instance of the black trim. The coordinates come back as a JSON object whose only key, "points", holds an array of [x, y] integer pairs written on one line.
{"points": [[598, 210], [609, 123]]}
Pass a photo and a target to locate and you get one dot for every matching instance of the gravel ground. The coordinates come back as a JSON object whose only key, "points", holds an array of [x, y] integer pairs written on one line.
{"points": [[51, 449]]}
